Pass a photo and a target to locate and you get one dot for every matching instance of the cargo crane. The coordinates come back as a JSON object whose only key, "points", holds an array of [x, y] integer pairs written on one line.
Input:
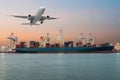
{"points": [[60, 38], [12, 41], [90, 39], [85, 40], [42, 41], [45, 41], [80, 40]]}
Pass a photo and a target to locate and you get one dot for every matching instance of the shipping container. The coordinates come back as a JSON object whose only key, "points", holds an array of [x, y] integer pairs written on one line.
{"points": [[52, 45], [66, 44], [37, 44], [47, 45], [70, 43], [57, 45], [22, 43], [32, 44], [17, 46]]}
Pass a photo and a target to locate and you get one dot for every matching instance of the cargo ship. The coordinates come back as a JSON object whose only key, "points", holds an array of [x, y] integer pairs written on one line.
{"points": [[83, 45]]}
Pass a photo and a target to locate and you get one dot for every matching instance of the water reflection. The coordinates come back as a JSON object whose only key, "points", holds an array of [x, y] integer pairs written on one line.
{"points": [[2, 66], [118, 65], [59, 66]]}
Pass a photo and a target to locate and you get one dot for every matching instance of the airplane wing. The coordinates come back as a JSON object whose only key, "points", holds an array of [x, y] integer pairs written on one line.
{"points": [[49, 18], [24, 17]]}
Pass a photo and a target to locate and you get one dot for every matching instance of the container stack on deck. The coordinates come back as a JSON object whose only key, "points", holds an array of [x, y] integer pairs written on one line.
{"points": [[82, 41]]}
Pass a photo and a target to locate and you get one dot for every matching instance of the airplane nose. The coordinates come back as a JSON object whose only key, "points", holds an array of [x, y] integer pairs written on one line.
{"points": [[42, 7]]}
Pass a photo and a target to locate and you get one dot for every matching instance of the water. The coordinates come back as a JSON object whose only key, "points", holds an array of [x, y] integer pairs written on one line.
{"points": [[59, 66]]}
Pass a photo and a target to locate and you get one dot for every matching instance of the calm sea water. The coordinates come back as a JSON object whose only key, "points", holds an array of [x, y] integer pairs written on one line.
{"points": [[59, 66]]}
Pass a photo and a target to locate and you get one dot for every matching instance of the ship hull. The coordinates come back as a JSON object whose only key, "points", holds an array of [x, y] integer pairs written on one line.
{"points": [[106, 49]]}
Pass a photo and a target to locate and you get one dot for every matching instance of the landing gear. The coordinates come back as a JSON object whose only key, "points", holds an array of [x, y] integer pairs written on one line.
{"points": [[41, 22], [31, 21]]}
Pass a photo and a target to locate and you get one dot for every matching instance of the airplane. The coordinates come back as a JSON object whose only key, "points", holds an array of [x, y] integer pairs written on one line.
{"points": [[34, 19]]}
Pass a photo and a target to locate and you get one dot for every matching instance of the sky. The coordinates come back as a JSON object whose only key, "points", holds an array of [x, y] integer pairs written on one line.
{"points": [[99, 17]]}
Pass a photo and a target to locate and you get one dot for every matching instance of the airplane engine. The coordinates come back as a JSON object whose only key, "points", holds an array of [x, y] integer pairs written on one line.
{"points": [[48, 16], [29, 17]]}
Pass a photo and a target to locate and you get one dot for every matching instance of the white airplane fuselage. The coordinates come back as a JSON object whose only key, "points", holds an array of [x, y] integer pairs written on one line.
{"points": [[38, 16]]}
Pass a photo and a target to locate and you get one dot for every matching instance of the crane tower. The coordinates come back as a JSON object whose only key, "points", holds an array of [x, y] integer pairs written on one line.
{"points": [[60, 38], [12, 41]]}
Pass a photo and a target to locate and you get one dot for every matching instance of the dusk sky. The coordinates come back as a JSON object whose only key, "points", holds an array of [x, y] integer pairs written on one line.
{"points": [[100, 17]]}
